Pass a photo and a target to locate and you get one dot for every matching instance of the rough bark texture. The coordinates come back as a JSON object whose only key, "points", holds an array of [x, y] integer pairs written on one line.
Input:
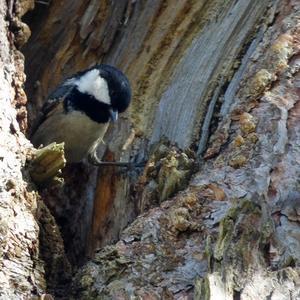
{"points": [[22, 268], [158, 45], [234, 233], [224, 73]]}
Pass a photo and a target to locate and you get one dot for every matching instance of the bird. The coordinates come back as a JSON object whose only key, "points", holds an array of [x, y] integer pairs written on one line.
{"points": [[79, 111]]}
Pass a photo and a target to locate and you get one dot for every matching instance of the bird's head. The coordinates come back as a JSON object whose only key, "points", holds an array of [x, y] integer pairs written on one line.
{"points": [[102, 92]]}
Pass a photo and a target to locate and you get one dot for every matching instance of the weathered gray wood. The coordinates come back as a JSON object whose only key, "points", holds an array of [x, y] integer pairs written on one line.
{"points": [[213, 52]]}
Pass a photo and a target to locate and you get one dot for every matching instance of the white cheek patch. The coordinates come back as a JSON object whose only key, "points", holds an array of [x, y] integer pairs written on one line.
{"points": [[93, 84]]}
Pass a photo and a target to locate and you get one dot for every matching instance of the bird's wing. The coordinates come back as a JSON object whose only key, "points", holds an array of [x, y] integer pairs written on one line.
{"points": [[53, 104]]}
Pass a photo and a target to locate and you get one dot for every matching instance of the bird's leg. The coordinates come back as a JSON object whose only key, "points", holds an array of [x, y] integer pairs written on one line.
{"points": [[94, 160]]}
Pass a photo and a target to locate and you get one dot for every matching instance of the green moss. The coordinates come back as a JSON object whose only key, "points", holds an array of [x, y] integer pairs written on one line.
{"points": [[289, 261], [224, 238], [227, 228], [209, 253], [175, 169], [202, 289], [247, 206], [86, 281], [172, 183], [266, 231], [297, 185]]}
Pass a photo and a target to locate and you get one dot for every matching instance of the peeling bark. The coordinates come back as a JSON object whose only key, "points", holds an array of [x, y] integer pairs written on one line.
{"points": [[154, 43], [215, 113], [22, 271]]}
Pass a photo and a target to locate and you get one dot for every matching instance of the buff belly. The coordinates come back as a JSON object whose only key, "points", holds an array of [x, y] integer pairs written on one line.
{"points": [[79, 133]]}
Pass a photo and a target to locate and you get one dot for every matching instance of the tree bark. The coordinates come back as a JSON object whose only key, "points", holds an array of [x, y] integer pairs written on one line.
{"points": [[214, 113], [22, 271], [150, 41]]}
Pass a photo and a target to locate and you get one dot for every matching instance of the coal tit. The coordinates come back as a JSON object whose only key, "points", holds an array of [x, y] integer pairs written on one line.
{"points": [[78, 112]]}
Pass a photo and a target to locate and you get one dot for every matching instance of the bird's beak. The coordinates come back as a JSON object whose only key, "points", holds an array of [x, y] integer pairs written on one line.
{"points": [[113, 115]]}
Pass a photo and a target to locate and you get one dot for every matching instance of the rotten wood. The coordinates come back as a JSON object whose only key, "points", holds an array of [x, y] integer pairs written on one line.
{"points": [[47, 164]]}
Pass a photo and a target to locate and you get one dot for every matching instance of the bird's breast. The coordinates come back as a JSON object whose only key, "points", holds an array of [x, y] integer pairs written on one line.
{"points": [[76, 130]]}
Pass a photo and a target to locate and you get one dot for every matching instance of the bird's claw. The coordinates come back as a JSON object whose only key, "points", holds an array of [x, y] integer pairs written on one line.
{"points": [[94, 160]]}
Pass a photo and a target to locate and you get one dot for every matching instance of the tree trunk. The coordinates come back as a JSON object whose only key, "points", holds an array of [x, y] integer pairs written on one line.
{"points": [[22, 274], [215, 115]]}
